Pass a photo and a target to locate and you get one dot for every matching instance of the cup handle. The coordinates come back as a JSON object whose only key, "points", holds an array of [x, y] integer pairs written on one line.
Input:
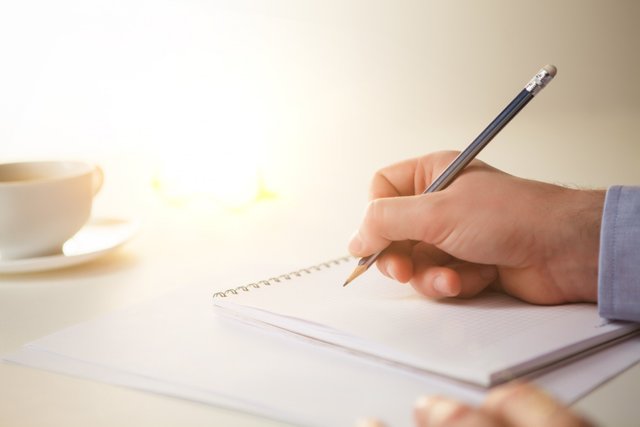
{"points": [[98, 179]]}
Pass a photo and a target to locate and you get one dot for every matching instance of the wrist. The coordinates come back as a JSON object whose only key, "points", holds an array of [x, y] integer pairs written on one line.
{"points": [[574, 262]]}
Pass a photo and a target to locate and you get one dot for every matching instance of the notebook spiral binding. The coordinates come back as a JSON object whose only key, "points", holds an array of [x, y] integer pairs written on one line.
{"points": [[283, 277]]}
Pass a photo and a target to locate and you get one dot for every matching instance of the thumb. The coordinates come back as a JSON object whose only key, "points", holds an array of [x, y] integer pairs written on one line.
{"points": [[421, 218]]}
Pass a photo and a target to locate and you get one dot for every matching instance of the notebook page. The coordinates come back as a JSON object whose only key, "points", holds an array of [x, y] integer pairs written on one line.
{"points": [[483, 340]]}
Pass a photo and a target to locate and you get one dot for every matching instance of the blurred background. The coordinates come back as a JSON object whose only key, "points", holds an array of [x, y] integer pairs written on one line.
{"points": [[218, 106], [233, 100]]}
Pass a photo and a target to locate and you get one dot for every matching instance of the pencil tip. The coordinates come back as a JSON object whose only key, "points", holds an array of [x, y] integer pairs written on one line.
{"points": [[356, 272]]}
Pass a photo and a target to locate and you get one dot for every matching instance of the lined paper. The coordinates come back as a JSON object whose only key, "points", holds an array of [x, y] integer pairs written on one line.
{"points": [[484, 340]]}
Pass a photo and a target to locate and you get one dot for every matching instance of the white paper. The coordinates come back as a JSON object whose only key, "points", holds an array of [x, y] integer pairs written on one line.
{"points": [[484, 340], [177, 345]]}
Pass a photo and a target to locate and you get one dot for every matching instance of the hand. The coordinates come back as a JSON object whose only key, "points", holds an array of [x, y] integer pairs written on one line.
{"points": [[511, 405], [536, 241]]}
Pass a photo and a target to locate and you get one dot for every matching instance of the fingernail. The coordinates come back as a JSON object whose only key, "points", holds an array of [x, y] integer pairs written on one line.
{"points": [[424, 403], [441, 286], [437, 410], [499, 394], [355, 244], [368, 422], [540, 406], [392, 271], [442, 411]]}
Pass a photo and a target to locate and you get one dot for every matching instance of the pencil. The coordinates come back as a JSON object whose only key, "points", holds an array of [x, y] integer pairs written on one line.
{"points": [[535, 85]]}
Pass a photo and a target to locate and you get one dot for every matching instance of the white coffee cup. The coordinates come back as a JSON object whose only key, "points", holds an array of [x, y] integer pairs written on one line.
{"points": [[43, 204]]}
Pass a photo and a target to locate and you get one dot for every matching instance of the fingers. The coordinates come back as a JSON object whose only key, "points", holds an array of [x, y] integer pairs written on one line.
{"points": [[434, 273], [409, 177], [369, 422], [440, 412], [395, 262], [523, 405], [395, 180], [395, 213], [437, 274], [513, 405], [460, 279], [420, 218]]}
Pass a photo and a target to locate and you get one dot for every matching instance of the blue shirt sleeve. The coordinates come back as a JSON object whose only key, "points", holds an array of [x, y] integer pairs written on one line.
{"points": [[619, 263]]}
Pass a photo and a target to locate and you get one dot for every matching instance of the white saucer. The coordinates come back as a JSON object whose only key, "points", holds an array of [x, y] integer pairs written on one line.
{"points": [[97, 238]]}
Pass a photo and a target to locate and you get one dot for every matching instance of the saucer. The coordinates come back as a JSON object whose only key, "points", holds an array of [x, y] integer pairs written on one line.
{"points": [[97, 238]]}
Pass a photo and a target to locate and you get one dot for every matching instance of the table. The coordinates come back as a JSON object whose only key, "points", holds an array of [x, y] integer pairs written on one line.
{"points": [[313, 97], [155, 262]]}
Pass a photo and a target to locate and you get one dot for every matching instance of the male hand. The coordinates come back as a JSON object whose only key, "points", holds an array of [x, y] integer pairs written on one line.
{"points": [[511, 405], [516, 405], [536, 241]]}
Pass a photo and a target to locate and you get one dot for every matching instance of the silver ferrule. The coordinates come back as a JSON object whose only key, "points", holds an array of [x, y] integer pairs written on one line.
{"points": [[538, 82]]}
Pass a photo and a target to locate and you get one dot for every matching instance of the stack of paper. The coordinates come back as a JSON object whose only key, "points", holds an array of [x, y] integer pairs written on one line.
{"points": [[485, 340], [179, 345]]}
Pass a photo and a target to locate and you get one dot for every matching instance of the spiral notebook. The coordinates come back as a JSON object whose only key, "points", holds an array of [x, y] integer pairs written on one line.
{"points": [[485, 340]]}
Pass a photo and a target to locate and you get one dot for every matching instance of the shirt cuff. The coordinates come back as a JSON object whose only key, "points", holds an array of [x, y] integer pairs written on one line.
{"points": [[619, 263]]}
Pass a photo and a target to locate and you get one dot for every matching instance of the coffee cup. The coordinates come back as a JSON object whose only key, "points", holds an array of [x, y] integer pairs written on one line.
{"points": [[43, 204]]}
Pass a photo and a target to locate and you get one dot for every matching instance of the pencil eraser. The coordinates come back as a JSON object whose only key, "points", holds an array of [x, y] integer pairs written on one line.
{"points": [[551, 69]]}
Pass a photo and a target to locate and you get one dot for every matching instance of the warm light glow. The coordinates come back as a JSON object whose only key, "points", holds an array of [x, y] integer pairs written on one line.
{"points": [[213, 142], [229, 180], [217, 160]]}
